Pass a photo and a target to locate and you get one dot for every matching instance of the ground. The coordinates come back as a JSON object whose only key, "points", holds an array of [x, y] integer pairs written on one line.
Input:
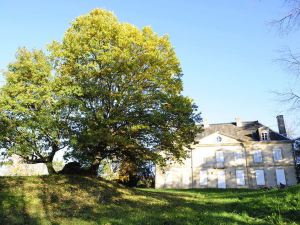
{"points": [[86, 200]]}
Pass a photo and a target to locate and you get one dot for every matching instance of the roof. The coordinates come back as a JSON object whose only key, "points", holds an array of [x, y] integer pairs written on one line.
{"points": [[247, 132]]}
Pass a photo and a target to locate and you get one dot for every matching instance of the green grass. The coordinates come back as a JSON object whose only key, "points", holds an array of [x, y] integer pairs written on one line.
{"points": [[85, 200]]}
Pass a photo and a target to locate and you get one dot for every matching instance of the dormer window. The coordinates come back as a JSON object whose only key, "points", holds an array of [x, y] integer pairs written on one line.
{"points": [[264, 133], [264, 136]]}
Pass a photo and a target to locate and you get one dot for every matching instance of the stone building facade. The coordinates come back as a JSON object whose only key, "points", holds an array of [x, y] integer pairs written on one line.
{"points": [[234, 155]]}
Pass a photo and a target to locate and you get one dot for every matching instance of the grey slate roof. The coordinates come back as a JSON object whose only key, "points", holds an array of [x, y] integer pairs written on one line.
{"points": [[247, 132]]}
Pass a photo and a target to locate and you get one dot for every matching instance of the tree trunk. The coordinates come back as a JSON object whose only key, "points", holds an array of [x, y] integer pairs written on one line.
{"points": [[93, 170], [50, 168]]}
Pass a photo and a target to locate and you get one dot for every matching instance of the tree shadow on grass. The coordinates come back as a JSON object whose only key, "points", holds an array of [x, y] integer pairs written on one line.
{"points": [[90, 200], [77, 197], [13, 205], [96, 201]]}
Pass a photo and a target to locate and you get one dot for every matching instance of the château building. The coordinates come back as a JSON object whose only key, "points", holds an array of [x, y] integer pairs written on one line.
{"points": [[234, 155]]}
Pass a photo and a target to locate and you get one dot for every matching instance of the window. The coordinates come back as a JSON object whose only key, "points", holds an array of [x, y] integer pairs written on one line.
{"points": [[264, 136], [169, 178], [219, 157], [257, 156], [260, 177], [221, 179], [277, 155], [203, 177], [240, 177], [297, 160], [238, 155], [280, 176]]}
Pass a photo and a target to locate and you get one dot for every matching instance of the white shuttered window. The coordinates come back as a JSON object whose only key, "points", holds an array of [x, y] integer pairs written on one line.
{"points": [[277, 155], [257, 156], [280, 176], [240, 177], [221, 179], [238, 155], [260, 177], [219, 157], [203, 177]]}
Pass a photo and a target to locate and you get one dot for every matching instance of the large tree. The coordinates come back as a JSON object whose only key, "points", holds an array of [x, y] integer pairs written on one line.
{"points": [[32, 119], [124, 87]]}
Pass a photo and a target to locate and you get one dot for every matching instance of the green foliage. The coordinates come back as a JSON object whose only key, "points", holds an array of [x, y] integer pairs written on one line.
{"points": [[108, 170], [124, 87], [108, 91], [31, 114], [86, 201]]}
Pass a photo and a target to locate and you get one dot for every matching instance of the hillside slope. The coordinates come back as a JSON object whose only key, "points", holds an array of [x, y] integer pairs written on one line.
{"points": [[86, 200]]}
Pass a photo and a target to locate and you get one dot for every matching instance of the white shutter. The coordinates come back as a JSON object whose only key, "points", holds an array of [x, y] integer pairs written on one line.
{"points": [[240, 177], [186, 178], [280, 176], [257, 156], [219, 157], [169, 178], [221, 179], [260, 177], [203, 177], [277, 154]]}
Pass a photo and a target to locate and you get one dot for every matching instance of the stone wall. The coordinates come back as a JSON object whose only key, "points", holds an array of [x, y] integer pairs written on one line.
{"points": [[19, 168]]}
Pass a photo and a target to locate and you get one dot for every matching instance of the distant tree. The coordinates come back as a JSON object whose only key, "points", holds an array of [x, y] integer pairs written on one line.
{"points": [[31, 116], [287, 23], [291, 59], [124, 87], [291, 19]]}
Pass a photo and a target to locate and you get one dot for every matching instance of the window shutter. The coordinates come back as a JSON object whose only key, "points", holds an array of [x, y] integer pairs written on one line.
{"points": [[260, 177], [277, 154], [221, 179], [240, 177], [219, 157], [257, 156], [280, 176], [203, 177]]}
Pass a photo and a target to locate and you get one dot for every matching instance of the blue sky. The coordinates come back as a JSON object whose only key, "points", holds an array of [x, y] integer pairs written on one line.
{"points": [[227, 49]]}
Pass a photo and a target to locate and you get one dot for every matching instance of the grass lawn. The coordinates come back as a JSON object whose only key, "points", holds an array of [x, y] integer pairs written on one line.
{"points": [[85, 200]]}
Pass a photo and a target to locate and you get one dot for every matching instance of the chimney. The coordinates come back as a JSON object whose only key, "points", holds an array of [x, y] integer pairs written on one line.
{"points": [[238, 122], [281, 125]]}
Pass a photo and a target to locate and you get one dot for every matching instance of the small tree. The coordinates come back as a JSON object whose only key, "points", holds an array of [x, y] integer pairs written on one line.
{"points": [[30, 113], [135, 174], [124, 87], [291, 59], [287, 23]]}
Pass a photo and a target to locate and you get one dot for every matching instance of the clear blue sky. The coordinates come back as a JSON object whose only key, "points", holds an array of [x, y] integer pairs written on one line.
{"points": [[227, 48]]}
